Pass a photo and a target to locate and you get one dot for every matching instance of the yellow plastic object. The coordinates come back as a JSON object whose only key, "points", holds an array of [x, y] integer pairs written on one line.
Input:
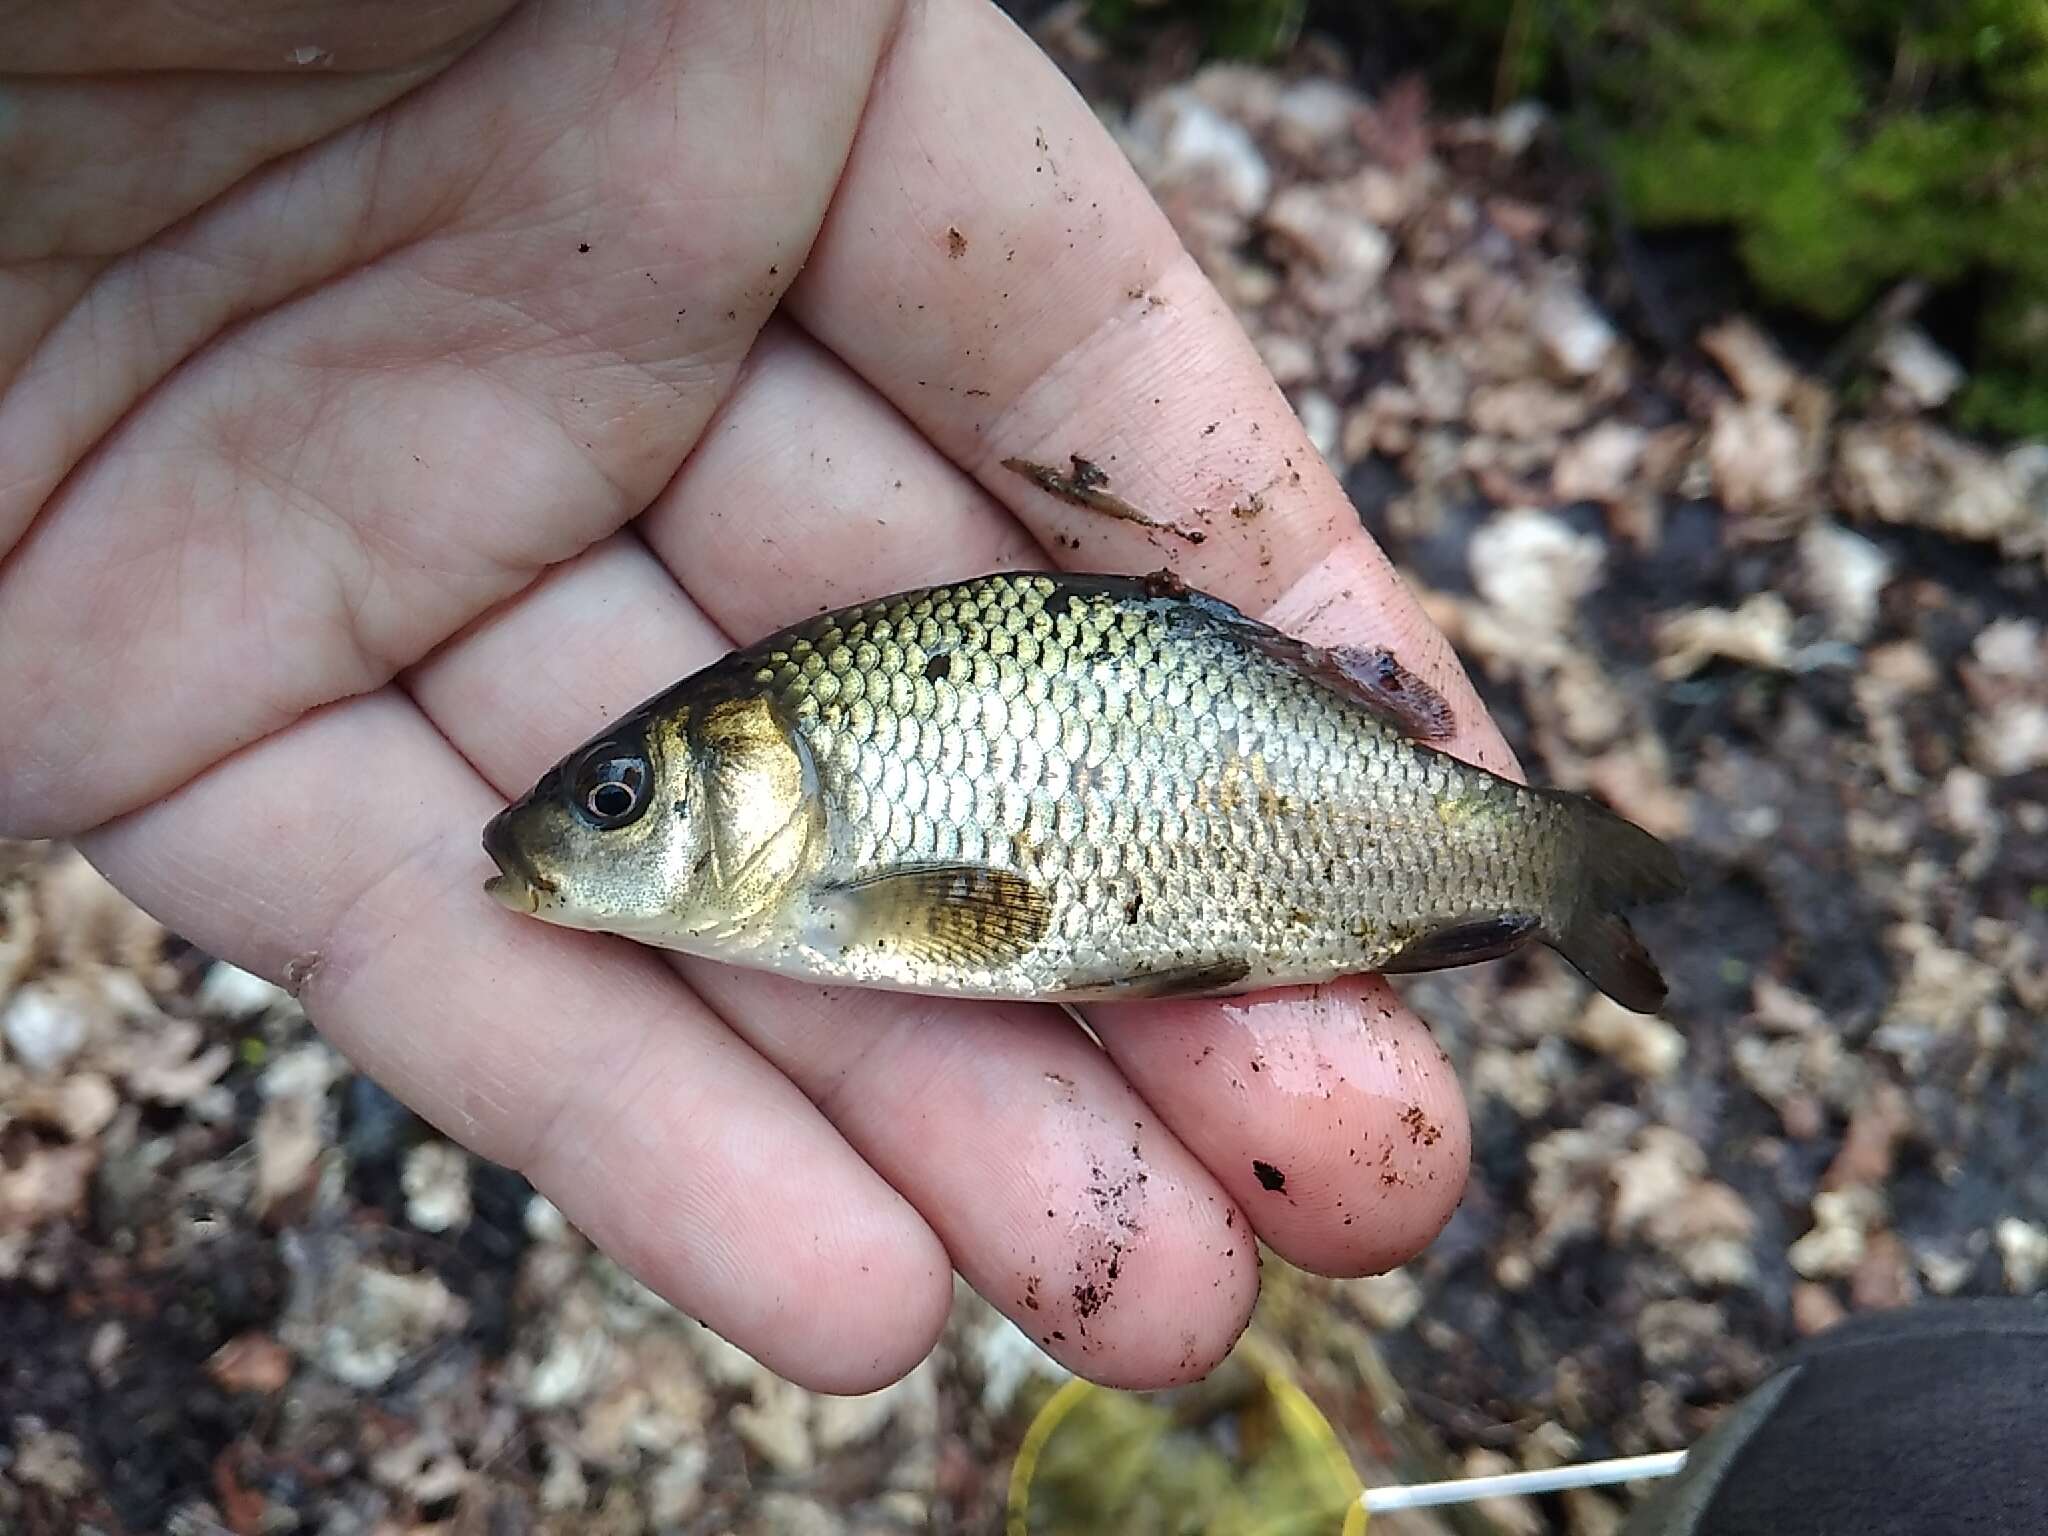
{"points": [[1310, 1429], [1128, 1463], [1022, 1469]]}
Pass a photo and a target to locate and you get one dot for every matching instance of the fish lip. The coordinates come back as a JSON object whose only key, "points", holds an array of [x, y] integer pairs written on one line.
{"points": [[517, 884], [513, 893]]}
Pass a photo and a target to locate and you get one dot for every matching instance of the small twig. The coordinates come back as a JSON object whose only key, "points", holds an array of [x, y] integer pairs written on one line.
{"points": [[1084, 488]]}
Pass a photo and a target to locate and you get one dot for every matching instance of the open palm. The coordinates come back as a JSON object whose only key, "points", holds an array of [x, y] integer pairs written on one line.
{"points": [[377, 417]]}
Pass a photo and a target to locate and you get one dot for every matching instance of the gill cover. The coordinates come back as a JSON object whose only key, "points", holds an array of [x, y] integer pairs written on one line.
{"points": [[762, 812]]}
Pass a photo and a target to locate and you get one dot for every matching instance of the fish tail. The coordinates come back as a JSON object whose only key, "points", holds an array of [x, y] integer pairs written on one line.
{"points": [[1619, 866]]}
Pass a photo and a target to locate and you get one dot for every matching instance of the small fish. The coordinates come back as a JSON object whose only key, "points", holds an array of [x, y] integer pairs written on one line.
{"points": [[1065, 788]]}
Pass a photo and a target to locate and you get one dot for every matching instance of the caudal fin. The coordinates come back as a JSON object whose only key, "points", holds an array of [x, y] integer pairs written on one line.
{"points": [[1620, 866]]}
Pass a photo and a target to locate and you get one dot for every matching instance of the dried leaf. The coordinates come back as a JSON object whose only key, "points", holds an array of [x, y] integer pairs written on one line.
{"points": [[251, 1362]]}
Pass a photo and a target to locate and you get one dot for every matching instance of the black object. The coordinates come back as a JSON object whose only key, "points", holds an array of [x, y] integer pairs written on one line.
{"points": [[1924, 1421]]}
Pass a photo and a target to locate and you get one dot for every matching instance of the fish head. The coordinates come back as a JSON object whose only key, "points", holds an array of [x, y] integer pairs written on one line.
{"points": [[596, 842], [681, 823]]}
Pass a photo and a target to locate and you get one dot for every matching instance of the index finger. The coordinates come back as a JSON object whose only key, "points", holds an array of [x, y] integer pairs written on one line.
{"points": [[994, 266]]}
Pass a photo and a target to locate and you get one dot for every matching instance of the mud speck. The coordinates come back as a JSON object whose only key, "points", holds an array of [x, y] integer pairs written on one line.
{"points": [[1422, 1131], [1268, 1176], [1116, 1191], [956, 243], [1089, 1298]]}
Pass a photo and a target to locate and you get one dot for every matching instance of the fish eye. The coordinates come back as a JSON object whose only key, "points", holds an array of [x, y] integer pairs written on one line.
{"points": [[611, 787]]}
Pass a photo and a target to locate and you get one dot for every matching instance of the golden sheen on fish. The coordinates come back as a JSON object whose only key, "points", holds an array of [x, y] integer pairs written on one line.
{"points": [[1067, 788]]}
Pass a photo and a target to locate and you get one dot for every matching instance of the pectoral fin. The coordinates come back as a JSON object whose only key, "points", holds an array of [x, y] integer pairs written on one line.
{"points": [[945, 914]]}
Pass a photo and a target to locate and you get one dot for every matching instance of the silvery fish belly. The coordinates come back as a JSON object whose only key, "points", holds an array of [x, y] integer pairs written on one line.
{"points": [[1067, 787]]}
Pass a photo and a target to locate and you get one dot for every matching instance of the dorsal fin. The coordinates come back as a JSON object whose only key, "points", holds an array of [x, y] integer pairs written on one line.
{"points": [[1368, 675]]}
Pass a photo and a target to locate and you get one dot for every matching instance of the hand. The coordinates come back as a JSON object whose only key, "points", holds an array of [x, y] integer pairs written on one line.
{"points": [[379, 418]]}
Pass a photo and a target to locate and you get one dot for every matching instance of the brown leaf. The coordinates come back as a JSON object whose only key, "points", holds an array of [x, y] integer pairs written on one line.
{"points": [[1761, 463], [51, 1181], [1881, 1117], [1396, 128], [1883, 1278], [19, 929], [251, 1362], [1752, 364], [169, 1063], [242, 1508], [1815, 1309], [87, 922], [80, 1105]]}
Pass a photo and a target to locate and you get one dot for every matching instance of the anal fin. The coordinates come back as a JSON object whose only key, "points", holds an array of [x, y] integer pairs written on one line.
{"points": [[1467, 941], [1206, 979]]}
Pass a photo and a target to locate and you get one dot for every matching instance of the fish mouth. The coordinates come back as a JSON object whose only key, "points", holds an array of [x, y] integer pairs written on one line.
{"points": [[517, 885], [513, 892]]}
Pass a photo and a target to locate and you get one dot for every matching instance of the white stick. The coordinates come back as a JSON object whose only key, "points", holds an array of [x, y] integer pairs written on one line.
{"points": [[1463, 1490]]}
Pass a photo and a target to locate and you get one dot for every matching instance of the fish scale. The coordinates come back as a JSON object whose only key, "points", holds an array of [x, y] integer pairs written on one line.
{"points": [[1343, 829], [1049, 785]]}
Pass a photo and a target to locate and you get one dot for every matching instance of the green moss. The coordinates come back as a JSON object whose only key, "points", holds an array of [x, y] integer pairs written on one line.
{"points": [[1227, 28], [2004, 402], [1849, 145]]}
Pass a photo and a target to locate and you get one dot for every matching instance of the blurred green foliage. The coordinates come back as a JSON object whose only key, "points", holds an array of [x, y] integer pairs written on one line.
{"points": [[1243, 29], [1848, 145]]}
